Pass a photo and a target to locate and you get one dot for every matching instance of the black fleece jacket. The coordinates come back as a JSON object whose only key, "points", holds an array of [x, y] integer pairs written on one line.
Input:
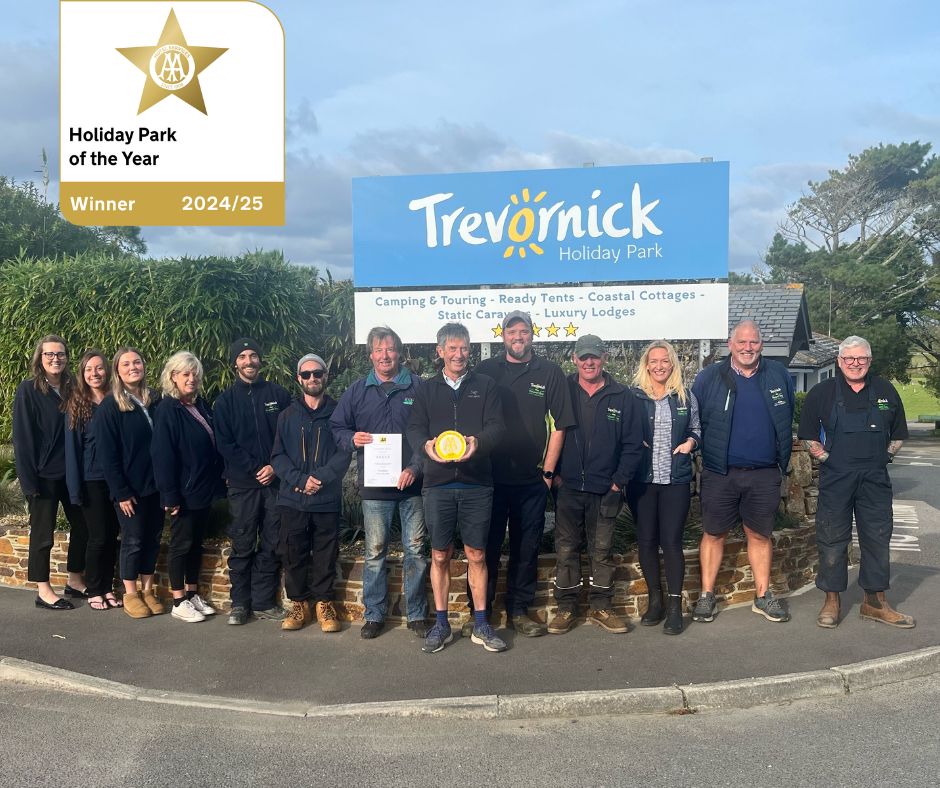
{"points": [[473, 409], [38, 436]]}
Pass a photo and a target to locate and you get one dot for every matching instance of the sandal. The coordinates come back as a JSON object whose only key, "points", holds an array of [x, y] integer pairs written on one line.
{"points": [[75, 593], [112, 601], [97, 603]]}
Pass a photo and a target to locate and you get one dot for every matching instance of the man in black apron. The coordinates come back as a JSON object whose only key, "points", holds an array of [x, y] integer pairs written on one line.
{"points": [[854, 424]]}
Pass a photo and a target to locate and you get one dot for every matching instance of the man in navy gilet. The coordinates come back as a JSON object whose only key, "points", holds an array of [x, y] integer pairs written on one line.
{"points": [[746, 407]]}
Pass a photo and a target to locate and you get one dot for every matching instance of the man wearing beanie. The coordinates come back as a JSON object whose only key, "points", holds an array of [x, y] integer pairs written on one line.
{"points": [[311, 467], [245, 423]]}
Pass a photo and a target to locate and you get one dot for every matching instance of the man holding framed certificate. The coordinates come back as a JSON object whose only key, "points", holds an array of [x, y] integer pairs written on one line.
{"points": [[371, 419]]}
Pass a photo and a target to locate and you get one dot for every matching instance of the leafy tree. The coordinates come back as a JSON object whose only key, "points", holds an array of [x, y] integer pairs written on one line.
{"points": [[863, 242], [32, 227]]}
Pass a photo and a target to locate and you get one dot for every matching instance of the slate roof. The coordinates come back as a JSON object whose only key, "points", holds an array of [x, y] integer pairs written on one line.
{"points": [[822, 351], [779, 310]]}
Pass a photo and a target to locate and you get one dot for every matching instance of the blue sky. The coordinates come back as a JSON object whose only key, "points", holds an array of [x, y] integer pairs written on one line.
{"points": [[784, 91]]}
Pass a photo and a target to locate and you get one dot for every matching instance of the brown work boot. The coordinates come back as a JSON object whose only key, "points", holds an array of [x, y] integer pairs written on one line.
{"points": [[876, 608], [298, 617], [135, 607], [607, 619], [828, 617], [326, 614], [151, 601], [561, 622]]}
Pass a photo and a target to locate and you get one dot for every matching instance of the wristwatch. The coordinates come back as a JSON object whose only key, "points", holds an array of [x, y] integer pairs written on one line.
{"points": [[548, 475]]}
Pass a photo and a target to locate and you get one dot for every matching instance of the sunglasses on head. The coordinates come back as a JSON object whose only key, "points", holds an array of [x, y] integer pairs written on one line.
{"points": [[308, 373]]}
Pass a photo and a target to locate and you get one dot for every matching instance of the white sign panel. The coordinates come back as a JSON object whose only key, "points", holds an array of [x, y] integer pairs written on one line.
{"points": [[559, 314]]}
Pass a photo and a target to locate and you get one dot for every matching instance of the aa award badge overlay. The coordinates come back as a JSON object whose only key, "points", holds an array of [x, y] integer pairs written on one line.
{"points": [[172, 113]]}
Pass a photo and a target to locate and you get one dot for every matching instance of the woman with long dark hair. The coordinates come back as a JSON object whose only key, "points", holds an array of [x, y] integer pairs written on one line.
{"points": [[660, 492], [188, 470], [85, 478], [39, 449], [123, 431]]}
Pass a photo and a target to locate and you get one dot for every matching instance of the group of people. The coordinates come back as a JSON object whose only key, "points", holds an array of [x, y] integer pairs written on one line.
{"points": [[120, 456]]}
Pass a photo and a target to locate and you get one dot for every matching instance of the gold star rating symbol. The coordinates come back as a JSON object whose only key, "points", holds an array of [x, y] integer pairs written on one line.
{"points": [[497, 330], [553, 330], [571, 330], [536, 330], [172, 67]]}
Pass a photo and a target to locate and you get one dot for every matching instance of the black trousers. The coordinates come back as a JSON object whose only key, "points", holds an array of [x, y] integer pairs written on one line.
{"points": [[659, 513], [309, 547], [589, 518], [184, 558], [867, 495], [254, 566], [42, 513], [102, 522], [521, 509]]}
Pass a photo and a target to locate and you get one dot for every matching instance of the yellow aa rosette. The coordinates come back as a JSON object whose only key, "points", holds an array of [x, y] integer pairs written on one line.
{"points": [[450, 445]]}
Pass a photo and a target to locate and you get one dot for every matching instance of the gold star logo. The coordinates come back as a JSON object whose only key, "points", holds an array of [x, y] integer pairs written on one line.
{"points": [[497, 330], [172, 67], [536, 330], [571, 329], [553, 330]]}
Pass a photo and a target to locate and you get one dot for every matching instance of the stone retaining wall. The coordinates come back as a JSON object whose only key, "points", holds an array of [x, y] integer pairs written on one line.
{"points": [[794, 565]]}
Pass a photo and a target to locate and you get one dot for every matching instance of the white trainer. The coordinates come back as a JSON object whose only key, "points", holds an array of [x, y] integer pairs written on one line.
{"points": [[186, 611], [202, 606]]}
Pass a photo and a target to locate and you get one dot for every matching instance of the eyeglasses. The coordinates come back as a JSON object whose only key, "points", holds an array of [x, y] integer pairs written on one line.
{"points": [[308, 373], [860, 361], [49, 355]]}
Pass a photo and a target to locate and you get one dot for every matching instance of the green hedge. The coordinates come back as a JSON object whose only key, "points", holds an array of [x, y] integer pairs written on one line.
{"points": [[162, 306]]}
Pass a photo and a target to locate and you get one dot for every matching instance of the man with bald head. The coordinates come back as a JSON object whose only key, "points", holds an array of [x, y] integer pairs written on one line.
{"points": [[746, 408]]}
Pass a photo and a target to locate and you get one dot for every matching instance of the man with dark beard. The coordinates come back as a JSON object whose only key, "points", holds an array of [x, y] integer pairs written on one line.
{"points": [[245, 421], [537, 409]]}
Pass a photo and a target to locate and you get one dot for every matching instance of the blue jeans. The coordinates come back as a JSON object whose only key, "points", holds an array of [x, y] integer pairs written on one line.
{"points": [[377, 522]]}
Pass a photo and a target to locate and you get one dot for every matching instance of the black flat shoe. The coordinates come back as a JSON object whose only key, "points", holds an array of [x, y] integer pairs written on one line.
{"points": [[75, 593], [59, 604]]}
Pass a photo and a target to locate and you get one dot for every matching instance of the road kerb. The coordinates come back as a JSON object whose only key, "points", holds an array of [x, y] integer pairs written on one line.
{"points": [[221, 703], [642, 700], [471, 707], [23, 671], [890, 670], [744, 693]]}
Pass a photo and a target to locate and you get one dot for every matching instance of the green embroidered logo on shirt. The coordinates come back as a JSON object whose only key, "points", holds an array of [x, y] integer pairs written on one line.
{"points": [[537, 390]]}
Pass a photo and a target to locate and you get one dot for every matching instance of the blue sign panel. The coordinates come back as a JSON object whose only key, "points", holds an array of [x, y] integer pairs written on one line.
{"points": [[595, 224]]}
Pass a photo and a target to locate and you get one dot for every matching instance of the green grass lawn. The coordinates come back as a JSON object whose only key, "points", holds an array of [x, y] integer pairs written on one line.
{"points": [[918, 401]]}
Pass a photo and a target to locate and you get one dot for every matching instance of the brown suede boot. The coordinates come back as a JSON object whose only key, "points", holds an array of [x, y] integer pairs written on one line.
{"points": [[876, 608], [298, 617], [828, 617], [326, 613], [135, 607], [151, 601]]}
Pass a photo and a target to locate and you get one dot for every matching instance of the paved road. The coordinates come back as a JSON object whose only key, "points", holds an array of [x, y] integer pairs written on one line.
{"points": [[880, 737]]}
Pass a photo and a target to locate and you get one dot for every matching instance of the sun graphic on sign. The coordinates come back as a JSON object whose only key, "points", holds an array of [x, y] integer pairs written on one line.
{"points": [[522, 225]]}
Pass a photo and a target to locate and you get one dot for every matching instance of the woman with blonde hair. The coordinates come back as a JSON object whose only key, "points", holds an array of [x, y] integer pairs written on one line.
{"points": [[660, 492], [85, 478], [189, 476], [123, 431]]}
